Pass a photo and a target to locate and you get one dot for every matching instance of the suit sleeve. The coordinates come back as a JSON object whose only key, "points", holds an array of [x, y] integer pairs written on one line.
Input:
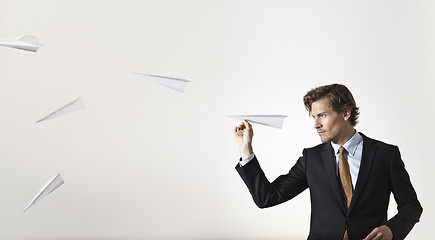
{"points": [[408, 206], [284, 188]]}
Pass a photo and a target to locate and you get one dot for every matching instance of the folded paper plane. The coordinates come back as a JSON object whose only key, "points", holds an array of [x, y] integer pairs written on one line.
{"points": [[27, 43], [275, 121], [73, 106], [49, 187], [172, 83]]}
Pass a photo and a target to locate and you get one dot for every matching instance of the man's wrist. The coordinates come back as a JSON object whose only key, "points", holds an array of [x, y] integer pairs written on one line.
{"points": [[246, 152]]}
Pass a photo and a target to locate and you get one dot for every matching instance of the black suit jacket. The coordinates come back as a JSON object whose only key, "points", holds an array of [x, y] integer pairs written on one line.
{"points": [[381, 172]]}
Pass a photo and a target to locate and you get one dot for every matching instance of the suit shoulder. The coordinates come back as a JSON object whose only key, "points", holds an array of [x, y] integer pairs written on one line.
{"points": [[317, 148], [378, 143]]}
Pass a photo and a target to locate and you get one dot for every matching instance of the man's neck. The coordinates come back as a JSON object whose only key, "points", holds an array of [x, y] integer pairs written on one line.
{"points": [[346, 136]]}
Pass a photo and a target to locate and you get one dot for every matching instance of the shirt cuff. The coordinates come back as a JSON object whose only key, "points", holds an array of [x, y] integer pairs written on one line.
{"points": [[244, 162]]}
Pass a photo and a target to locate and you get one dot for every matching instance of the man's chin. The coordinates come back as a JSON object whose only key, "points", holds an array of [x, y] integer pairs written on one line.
{"points": [[324, 139]]}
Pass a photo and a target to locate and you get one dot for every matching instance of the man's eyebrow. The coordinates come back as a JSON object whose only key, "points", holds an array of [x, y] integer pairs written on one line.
{"points": [[318, 114]]}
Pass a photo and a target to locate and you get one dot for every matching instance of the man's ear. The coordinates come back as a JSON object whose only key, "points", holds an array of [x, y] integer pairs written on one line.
{"points": [[347, 113]]}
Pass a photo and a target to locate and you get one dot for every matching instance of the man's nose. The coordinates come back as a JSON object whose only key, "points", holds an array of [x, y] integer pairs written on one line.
{"points": [[317, 124]]}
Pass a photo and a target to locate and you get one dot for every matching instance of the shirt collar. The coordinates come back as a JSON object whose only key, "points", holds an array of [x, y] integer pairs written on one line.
{"points": [[351, 145]]}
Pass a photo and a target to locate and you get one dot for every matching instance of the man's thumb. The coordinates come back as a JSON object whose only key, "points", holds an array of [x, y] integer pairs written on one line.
{"points": [[247, 124]]}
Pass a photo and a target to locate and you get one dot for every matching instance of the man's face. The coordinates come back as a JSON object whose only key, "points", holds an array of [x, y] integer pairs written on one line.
{"points": [[329, 124]]}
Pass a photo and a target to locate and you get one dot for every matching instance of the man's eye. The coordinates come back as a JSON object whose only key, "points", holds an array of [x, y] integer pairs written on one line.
{"points": [[322, 115]]}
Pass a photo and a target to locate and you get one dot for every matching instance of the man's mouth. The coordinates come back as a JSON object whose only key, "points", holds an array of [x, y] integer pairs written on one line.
{"points": [[320, 132]]}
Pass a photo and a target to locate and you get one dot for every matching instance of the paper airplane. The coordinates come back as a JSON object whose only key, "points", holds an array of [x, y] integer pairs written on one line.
{"points": [[27, 43], [49, 187], [73, 106], [172, 83], [275, 121]]}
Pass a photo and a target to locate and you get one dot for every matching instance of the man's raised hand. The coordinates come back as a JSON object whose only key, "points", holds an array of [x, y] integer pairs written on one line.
{"points": [[243, 136]]}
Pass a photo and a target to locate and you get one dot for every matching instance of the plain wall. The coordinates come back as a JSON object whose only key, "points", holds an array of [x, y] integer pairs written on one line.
{"points": [[146, 162]]}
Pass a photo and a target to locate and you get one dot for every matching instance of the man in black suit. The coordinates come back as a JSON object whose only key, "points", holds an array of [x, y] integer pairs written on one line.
{"points": [[350, 176]]}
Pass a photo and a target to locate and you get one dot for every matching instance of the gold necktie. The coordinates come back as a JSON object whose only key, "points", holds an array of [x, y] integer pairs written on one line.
{"points": [[346, 183]]}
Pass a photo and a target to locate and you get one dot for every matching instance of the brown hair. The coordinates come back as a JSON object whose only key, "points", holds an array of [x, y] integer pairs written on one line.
{"points": [[339, 98]]}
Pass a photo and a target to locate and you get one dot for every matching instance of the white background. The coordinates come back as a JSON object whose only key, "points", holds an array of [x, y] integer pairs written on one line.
{"points": [[146, 162]]}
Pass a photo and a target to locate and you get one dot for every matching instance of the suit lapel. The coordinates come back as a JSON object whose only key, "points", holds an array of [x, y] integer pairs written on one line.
{"points": [[368, 155], [328, 157]]}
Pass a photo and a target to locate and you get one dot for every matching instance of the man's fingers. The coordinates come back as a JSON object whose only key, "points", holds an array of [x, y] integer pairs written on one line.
{"points": [[247, 124], [244, 125], [380, 233], [377, 234], [371, 235], [239, 128]]}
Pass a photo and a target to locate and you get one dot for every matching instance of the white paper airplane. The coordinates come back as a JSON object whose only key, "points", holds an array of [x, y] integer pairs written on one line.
{"points": [[172, 83], [73, 106], [275, 121], [27, 43], [49, 187]]}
